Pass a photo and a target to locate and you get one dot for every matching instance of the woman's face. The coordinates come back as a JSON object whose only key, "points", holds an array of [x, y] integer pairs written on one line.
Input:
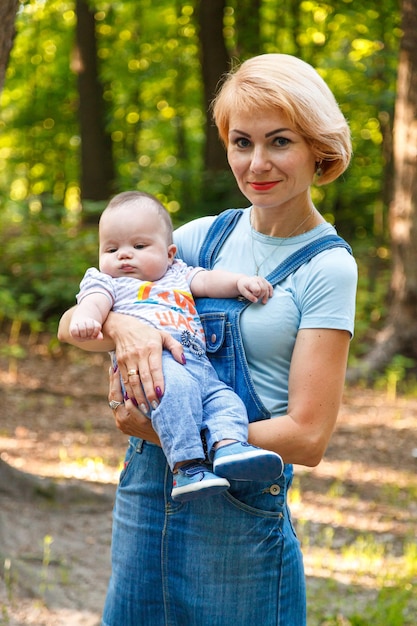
{"points": [[273, 165]]}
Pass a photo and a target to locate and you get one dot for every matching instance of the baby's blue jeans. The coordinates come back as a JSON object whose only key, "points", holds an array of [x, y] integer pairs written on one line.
{"points": [[195, 401]]}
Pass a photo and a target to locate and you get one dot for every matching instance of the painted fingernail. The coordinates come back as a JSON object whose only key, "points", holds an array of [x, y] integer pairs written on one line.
{"points": [[115, 368], [183, 359], [126, 397], [154, 404], [144, 408], [135, 402], [158, 392]]}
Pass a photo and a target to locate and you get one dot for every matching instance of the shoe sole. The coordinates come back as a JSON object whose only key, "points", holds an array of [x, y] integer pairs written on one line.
{"points": [[199, 490], [256, 465]]}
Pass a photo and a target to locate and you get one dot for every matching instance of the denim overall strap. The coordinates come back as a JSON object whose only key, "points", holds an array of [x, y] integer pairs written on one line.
{"points": [[217, 235], [220, 317], [305, 254], [223, 226], [224, 346]]}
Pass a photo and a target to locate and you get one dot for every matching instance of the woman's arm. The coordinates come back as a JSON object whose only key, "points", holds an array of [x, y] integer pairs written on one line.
{"points": [[316, 382], [138, 349]]}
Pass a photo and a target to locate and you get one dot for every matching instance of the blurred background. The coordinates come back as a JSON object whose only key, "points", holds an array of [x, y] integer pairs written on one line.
{"points": [[101, 97]]}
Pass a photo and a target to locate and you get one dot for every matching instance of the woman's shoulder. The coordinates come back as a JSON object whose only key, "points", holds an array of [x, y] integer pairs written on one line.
{"points": [[194, 228], [327, 280], [332, 273], [190, 236], [343, 255], [333, 258]]}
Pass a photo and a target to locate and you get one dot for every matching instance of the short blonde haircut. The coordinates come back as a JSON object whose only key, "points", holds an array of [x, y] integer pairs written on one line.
{"points": [[285, 83]]}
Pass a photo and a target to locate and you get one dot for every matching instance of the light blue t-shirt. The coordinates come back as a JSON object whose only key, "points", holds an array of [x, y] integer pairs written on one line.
{"points": [[320, 294]]}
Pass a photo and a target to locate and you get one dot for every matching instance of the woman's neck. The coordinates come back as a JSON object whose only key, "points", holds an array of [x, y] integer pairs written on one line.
{"points": [[285, 224]]}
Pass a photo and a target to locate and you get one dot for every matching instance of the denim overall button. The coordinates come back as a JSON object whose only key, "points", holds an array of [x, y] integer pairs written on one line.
{"points": [[213, 338], [274, 490]]}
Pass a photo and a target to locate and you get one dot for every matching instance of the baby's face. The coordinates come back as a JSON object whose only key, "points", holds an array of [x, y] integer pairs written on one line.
{"points": [[133, 243]]}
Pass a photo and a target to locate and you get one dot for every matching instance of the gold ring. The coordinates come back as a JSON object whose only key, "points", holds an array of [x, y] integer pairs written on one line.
{"points": [[113, 404], [133, 372]]}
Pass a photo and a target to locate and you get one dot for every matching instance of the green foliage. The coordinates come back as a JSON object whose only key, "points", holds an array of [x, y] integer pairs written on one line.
{"points": [[374, 274], [39, 127], [43, 259], [390, 607], [149, 61], [399, 376]]}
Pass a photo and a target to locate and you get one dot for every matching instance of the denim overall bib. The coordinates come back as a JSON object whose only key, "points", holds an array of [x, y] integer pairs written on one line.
{"points": [[227, 560], [220, 317]]}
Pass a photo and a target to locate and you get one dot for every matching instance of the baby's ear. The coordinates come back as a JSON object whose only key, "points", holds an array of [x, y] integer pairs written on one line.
{"points": [[172, 251]]}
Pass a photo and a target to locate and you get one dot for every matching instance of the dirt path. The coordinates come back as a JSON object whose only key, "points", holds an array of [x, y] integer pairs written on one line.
{"points": [[54, 547]]}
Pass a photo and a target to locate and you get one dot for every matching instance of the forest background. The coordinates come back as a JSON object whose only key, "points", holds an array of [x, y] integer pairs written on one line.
{"points": [[100, 97]]}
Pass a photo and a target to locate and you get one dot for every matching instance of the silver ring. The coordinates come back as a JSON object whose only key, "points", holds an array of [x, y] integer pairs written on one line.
{"points": [[113, 404]]}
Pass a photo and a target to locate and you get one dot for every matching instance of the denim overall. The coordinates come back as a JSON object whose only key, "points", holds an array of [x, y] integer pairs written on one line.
{"points": [[220, 317], [227, 560]]}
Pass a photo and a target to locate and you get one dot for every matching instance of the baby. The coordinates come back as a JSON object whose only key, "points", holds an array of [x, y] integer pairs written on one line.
{"points": [[140, 276]]}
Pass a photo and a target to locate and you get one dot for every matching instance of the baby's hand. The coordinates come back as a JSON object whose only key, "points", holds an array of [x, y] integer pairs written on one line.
{"points": [[86, 329], [255, 288]]}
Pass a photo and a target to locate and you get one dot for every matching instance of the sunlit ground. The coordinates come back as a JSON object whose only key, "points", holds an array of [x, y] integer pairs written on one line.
{"points": [[355, 514]]}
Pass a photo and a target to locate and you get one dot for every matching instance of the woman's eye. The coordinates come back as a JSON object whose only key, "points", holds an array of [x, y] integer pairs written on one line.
{"points": [[281, 142], [242, 142]]}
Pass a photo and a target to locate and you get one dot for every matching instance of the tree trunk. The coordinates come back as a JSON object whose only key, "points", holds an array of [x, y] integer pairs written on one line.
{"points": [[8, 10], [399, 336], [218, 184], [97, 170], [214, 63]]}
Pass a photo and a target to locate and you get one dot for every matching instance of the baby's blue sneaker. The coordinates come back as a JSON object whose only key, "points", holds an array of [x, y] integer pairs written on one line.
{"points": [[241, 461], [194, 480]]}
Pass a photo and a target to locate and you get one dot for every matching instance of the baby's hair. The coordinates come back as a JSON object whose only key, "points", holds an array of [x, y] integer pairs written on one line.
{"points": [[143, 200]]}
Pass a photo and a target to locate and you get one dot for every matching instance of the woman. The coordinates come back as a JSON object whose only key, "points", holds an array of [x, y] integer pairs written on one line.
{"points": [[235, 559]]}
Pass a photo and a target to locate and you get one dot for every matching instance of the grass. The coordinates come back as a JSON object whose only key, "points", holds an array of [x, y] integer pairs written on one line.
{"points": [[360, 584], [361, 567]]}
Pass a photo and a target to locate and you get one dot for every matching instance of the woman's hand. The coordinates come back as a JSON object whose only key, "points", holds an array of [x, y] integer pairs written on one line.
{"points": [[127, 416], [139, 351], [139, 356]]}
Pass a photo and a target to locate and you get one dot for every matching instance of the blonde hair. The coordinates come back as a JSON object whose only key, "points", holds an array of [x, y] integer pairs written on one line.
{"points": [[142, 200], [288, 84]]}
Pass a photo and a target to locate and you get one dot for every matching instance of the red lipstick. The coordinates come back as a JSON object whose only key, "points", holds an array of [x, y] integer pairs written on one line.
{"points": [[263, 186]]}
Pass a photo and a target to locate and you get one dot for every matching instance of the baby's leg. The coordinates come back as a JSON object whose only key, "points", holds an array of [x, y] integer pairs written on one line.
{"points": [[226, 432], [178, 418]]}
